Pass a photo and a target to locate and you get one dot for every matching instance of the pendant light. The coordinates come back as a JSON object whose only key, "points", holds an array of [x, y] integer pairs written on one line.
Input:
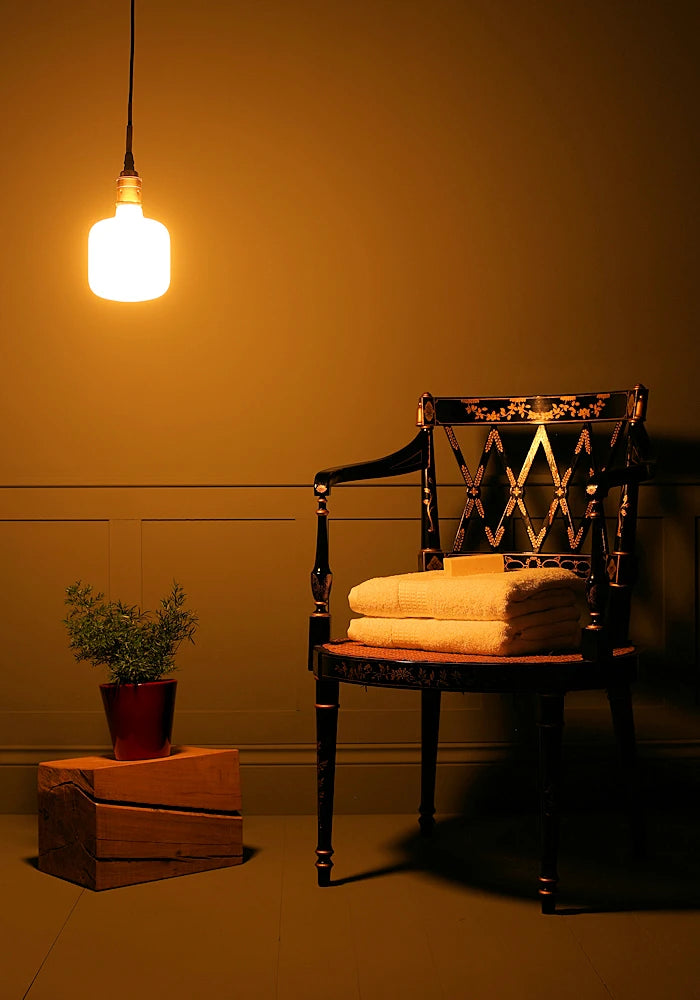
{"points": [[129, 255]]}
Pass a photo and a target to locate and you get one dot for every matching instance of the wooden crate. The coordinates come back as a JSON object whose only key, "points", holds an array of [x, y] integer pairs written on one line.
{"points": [[105, 823]]}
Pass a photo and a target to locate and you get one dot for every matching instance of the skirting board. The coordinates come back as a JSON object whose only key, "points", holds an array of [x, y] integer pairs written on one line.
{"points": [[385, 778]]}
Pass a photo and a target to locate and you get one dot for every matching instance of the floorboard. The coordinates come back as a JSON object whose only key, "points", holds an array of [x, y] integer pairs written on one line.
{"points": [[453, 919]]}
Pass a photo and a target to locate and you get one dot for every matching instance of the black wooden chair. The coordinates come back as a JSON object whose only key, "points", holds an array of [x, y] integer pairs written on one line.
{"points": [[559, 447]]}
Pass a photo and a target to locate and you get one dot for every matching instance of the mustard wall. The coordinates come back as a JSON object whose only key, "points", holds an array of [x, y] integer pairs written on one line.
{"points": [[366, 200]]}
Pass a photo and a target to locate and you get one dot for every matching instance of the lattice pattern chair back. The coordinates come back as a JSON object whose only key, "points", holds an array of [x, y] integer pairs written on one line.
{"points": [[559, 454]]}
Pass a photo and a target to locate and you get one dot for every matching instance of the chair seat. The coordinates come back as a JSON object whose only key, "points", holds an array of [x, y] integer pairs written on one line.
{"points": [[355, 663]]}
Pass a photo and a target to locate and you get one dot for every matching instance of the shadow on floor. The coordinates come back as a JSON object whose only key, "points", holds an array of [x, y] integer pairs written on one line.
{"points": [[500, 854], [248, 854]]}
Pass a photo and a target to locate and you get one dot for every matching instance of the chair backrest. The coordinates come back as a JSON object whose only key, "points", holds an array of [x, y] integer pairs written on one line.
{"points": [[536, 483], [536, 488]]}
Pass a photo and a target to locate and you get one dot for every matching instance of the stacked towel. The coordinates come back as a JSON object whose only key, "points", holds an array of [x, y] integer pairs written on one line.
{"points": [[482, 638], [497, 614], [482, 597]]}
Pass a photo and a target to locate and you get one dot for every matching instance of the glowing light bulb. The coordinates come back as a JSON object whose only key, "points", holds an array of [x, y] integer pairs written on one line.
{"points": [[129, 255]]}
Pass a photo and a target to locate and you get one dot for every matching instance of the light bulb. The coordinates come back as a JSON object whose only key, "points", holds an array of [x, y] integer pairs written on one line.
{"points": [[129, 255]]}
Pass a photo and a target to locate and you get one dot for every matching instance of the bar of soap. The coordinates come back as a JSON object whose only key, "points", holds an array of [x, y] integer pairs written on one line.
{"points": [[469, 564]]}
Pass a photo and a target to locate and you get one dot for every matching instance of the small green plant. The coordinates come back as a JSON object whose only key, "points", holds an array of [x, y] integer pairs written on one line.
{"points": [[136, 646]]}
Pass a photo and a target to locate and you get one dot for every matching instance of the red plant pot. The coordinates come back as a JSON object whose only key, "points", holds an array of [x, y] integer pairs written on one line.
{"points": [[140, 718]]}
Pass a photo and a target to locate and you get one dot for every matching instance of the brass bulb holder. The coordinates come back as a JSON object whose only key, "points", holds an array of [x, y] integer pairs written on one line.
{"points": [[128, 189]]}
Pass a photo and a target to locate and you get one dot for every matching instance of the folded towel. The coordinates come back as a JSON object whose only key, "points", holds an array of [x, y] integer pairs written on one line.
{"points": [[484, 596], [484, 638]]}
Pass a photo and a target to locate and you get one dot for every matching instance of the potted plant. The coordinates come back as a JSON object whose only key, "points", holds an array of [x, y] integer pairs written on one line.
{"points": [[137, 648]]}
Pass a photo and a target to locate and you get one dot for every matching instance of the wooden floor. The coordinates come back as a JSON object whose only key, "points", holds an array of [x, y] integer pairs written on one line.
{"points": [[457, 922]]}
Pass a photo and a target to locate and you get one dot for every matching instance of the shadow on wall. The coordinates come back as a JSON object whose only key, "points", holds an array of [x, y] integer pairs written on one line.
{"points": [[677, 459], [675, 490]]}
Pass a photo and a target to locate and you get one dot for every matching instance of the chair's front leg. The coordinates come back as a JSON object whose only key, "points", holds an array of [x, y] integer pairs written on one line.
{"points": [[550, 724], [326, 734], [430, 725]]}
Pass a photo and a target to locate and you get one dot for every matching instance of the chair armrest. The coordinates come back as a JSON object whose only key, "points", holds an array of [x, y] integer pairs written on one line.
{"points": [[408, 459], [607, 627], [629, 475]]}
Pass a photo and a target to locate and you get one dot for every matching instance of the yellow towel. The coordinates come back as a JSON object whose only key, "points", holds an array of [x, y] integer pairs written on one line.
{"points": [[484, 596], [482, 638]]}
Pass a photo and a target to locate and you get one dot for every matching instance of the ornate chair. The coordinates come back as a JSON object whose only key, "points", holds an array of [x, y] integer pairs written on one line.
{"points": [[539, 455]]}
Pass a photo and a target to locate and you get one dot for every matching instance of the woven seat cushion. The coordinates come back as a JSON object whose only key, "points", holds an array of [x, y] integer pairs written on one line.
{"points": [[346, 647]]}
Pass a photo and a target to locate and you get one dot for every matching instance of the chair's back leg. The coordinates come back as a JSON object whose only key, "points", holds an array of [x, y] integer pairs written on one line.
{"points": [[551, 723], [326, 734], [430, 725]]}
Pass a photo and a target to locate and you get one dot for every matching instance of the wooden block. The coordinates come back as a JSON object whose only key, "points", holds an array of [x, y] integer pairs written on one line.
{"points": [[106, 823], [190, 778]]}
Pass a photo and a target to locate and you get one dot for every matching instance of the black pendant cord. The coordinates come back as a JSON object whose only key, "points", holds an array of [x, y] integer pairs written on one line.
{"points": [[129, 156]]}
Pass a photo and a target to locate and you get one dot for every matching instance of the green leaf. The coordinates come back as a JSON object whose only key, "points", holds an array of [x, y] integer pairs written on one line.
{"points": [[135, 646]]}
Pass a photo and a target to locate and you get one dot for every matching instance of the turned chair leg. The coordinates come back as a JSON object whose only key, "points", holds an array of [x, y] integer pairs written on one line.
{"points": [[550, 724], [430, 725], [326, 734], [620, 700]]}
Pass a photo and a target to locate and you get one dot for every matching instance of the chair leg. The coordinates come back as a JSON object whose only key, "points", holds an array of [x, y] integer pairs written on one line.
{"points": [[430, 725], [550, 724], [326, 734], [620, 700]]}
